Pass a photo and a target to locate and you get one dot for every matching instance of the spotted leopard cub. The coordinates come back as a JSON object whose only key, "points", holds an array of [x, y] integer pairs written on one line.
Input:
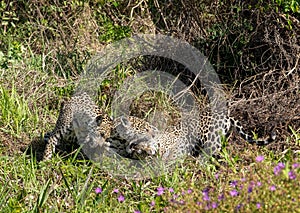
{"points": [[198, 135], [81, 121], [77, 106]]}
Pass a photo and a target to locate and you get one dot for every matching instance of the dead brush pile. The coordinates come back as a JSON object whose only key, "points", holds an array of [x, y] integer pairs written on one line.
{"points": [[256, 52]]}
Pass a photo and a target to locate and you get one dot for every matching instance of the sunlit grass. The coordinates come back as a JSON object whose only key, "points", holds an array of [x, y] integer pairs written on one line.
{"points": [[266, 182], [15, 112], [60, 186], [32, 85]]}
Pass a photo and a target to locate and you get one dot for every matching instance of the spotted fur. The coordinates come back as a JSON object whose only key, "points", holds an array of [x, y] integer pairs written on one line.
{"points": [[199, 132]]}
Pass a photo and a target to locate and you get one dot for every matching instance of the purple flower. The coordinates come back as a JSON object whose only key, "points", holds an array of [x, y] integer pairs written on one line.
{"points": [[258, 205], [189, 191], [205, 191], [121, 198], [160, 188], [172, 200], [206, 198], [116, 191], [272, 188], [217, 176], [234, 193], [205, 194], [278, 168], [98, 190], [198, 203], [292, 175], [239, 206], [250, 189], [175, 196], [260, 158], [233, 183], [160, 191], [136, 211], [258, 183], [281, 165], [171, 190], [295, 165], [152, 203], [221, 197], [181, 202], [214, 205]]}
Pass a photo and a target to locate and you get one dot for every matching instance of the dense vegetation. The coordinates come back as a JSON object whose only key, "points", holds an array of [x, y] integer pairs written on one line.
{"points": [[253, 45]]}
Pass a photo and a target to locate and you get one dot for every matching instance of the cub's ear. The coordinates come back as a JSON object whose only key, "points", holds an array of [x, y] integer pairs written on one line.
{"points": [[125, 122]]}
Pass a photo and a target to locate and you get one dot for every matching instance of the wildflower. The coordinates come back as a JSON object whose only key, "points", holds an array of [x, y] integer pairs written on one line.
{"points": [[171, 190], [217, 176], [221, 197], [136, 211], [250, 189], [175, 196], [98, 190], [152, 203], [292, 175], [181, 202], [173, 200], [234, 193], [281, 165], [278, 168], [121, 198], [205, 194], [259, 158], [205, 191], [116, 191], [239, 206], [258, 205], [206, 198], [198, 203], [272, 188], [295, 165], [214, 205], [189, 191], [233, 183], [243, 179], [160, 191], [258, 183]]}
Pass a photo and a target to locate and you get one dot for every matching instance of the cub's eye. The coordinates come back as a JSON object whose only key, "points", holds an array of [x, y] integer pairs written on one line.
{"points": [[99, 120]]}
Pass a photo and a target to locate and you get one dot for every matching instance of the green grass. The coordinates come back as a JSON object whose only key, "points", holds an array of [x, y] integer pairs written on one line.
{"points": [[63, 186], [235, 181], [15, 111], [37, 72]]}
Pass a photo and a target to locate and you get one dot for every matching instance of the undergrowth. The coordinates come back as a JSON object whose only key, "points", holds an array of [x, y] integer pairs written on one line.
{"points": [[44, 47]]}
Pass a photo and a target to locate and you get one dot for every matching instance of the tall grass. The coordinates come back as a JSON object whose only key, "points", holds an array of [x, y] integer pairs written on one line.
{"points": [[15, 113]]}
